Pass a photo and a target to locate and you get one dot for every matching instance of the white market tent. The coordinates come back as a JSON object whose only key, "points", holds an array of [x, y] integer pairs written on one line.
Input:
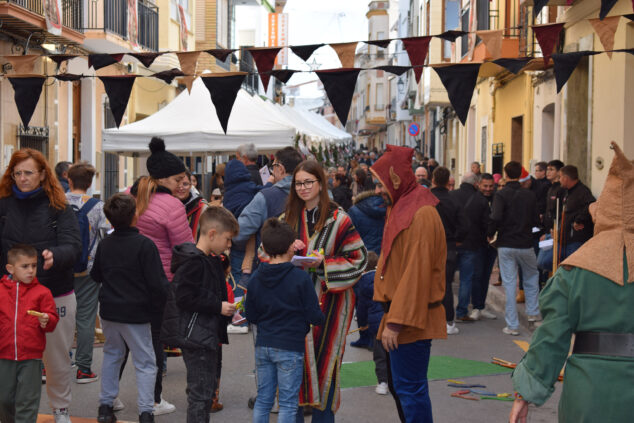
{"points": [[337, 134], [189, 124]]}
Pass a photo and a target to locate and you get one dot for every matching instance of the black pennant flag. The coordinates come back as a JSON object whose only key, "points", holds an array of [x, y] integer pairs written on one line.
{"points": [[59, 58], [538, 6], [98, 61], [379, 43], [339, 85], [630, 16], [168, 75], [305, 51], [565, 64], [513, 65], [27, 92], [459, 81], [450, 35], [146, 58], [221, 53], [606, 6], [223, 89], [396, 70], [68, 77], [283, 74], [118, 89]]}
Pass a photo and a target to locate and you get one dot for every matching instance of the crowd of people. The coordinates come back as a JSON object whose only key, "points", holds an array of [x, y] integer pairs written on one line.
{"points": [[293, 258]]}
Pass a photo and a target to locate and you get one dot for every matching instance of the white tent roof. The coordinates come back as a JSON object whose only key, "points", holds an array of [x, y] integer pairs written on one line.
{"points": [[328, 127], [189, 124]]}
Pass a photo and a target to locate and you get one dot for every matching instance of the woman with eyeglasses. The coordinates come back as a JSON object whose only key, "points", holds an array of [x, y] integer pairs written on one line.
{"points": [[194, 204], [325, 231], [34, 211]]}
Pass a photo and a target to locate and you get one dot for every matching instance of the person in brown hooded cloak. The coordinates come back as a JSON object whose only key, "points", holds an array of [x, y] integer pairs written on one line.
{"points": [[590, 296]]}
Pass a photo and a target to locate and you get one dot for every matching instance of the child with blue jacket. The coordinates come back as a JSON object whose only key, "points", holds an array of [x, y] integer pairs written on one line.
{"points": [[283, 304]]}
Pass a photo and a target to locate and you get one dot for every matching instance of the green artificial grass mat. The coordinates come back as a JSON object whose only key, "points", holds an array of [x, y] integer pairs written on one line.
{"points": [[361, 373]]}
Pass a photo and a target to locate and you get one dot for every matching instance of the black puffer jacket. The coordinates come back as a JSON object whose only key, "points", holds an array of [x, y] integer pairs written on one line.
{"points": [[34, 222], [192, 316], [476, 209]]}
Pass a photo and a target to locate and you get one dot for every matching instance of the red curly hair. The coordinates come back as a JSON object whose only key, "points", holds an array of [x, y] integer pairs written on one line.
{"points": [[50, 184]]}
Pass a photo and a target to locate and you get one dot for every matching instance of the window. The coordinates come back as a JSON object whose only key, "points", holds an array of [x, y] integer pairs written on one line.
{"points": [[35, 137], [482, 11], [176, 16], [452, 22], [367, 98], [380, 102], [465, 27]]}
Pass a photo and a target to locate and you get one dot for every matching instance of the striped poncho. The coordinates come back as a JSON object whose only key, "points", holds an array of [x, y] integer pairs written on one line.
{"points": [[345, 258]]}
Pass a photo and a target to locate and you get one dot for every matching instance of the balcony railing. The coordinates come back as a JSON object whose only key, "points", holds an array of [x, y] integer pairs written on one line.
{"points": [[112, 16], [72, 11]]}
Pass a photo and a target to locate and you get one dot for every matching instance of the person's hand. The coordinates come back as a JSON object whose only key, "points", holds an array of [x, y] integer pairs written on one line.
{"points": [[43, 320], [519, 411], [578, 226], [389, 339], [542, 238], [317, 262], [298, 245], [228, 309], [47, 255], [271, 179]]}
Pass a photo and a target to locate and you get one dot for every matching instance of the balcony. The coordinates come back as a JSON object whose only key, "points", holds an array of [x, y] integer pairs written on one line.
{"points": [[25, 19], [107, 29]]}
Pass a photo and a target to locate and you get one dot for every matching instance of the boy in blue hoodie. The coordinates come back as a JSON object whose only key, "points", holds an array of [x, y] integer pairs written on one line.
{"points": [[283, 304]]}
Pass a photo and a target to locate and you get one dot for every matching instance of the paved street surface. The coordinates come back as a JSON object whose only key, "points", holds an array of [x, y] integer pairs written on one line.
{"points": [[477, 341]]}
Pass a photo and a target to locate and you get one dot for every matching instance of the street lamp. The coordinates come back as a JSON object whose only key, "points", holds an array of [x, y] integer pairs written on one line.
{"points": [[401, 85]]}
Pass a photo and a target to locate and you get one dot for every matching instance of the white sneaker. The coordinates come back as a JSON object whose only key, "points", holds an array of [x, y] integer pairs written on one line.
{"points": [[452, 329], [475, 314], [487, 314], [236, 330], [510, 331], [163, 407], [382, 389], [117, 404], [536, 318], [61, 415]]}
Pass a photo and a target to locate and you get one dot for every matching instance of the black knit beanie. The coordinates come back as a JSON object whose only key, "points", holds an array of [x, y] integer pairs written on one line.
{"points": [[161, 163]]}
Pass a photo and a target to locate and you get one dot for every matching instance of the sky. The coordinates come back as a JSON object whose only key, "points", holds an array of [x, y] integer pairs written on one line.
{"points": [[323, 21]]}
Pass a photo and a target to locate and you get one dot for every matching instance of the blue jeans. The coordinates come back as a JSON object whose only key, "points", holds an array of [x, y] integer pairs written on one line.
{"points": [[409, 363], [510, 259], [281, 369], [236, 258], [469, 265]]}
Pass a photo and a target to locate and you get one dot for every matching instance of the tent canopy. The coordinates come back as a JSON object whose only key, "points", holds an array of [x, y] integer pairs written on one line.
{"points": [[189, 124]]}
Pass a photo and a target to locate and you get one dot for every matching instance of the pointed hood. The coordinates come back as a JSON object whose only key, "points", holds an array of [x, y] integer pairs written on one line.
{"points": [[613, 215], [394, 171]]}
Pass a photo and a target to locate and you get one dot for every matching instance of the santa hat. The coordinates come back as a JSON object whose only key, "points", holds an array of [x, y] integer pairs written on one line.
{"points": [[525, 176]]}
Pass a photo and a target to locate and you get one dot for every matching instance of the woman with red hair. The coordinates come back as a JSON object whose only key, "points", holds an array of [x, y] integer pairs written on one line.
{"points": [[33, 211]]}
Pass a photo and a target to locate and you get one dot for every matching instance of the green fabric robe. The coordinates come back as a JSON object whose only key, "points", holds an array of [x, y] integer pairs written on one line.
{"points": [[595, 388]]}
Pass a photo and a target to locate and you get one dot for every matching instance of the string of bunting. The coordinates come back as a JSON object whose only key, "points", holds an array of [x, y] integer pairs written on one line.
{"points": [[459, 79]]}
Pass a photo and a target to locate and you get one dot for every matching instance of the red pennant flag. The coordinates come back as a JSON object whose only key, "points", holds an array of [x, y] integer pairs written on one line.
{"points": [[98, 61], [223, 89], [118, 89], [264, 58], [339, 85], [27, 90], [417, 48], [547, 36]]}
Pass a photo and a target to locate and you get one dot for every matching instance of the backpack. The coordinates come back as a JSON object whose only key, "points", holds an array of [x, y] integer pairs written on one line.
{"points": [[84, 231]]}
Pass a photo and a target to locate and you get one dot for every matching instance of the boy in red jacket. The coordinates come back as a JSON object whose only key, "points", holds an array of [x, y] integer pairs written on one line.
{"points": [[27, 311]]}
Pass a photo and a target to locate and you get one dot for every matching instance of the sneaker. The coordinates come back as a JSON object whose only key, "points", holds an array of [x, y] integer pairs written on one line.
{"points": [[146, 417], [452, 329], [106, 414], [61, 415], [163, 407], [510, 331], [382, 389], [536, 318], [117, 404], [464, 319], [237, 329], [86, 377], [475, 314], [43, 375], [487, 314]]}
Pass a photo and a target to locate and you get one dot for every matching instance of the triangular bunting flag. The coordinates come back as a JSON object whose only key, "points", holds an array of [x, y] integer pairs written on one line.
{"points": [[305, 51], [68, 77], [264, 59], [223, 89], [168, 75], [396, 70], [631, 15], [27, 90], [221, 53], [492, 41], [146, 58], [513, 65], [606, 6], [451, 36], [459, 81], [346, 52], [565, 64], [538, 5], [59, 58], [118, 89], [379, 43], [98, 61], [417, 48], [188, 62], [283, 74], [339, 85], [22, 64], [606, 29], [547, 36]]}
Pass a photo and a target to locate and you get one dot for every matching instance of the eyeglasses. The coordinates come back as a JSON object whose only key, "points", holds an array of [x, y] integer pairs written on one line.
{"points": [[217, 197], [276, 164], [308, 184], [27, 173]]}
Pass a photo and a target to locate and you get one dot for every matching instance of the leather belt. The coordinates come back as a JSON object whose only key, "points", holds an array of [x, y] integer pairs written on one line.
{"points": [[604, 343], [386, 306]]}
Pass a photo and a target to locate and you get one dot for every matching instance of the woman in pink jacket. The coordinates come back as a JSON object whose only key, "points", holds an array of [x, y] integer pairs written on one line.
{"points": [[162, 218]]}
